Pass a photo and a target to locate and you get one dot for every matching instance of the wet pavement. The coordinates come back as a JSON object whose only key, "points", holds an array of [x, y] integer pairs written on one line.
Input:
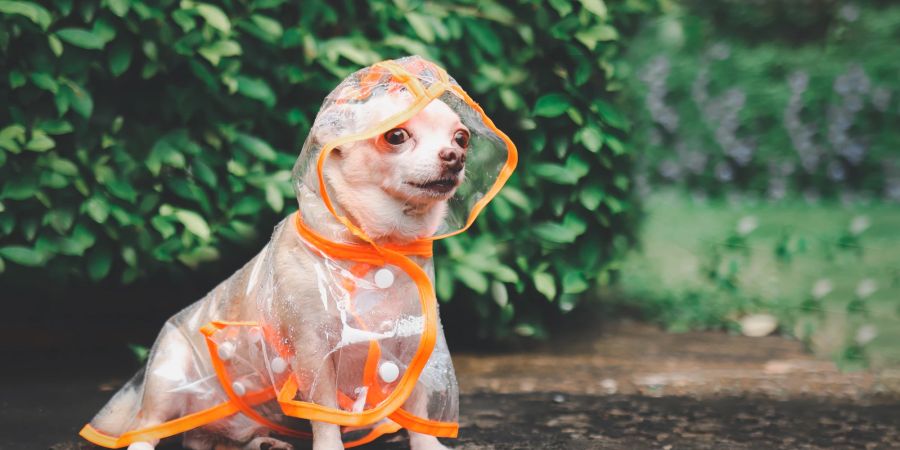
{"points": [[627, 387]]}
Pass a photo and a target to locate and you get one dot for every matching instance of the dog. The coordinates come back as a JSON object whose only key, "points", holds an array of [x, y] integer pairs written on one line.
{"points": [[395, 187]]}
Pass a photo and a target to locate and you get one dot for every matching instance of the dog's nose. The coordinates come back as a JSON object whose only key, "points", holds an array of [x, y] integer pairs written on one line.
{"points": [[453, 158]]}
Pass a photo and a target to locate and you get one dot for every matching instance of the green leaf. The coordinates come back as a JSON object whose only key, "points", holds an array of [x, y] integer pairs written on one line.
{"points": [[99, 261], [421, 26], [577, 165], [556, 173], [140, 352], [574, 283], [44, 81], [11, 136], [194, 223], [200, 255], [591, 137], [79, 98], [214, 17], [56, 126], [119, 7], [256, 146], [545, 284], [598, 7], [555, 232], [97, 208], [484, 37], [609, 114], [274, 197], [119, 58], [472, 278], [505, 274], [268, 25], [40, 142], [55, 44], [23, 255], [204, 173], [257, 89], [34, 12], [500, 294], [615, 145], [591, 196], [20, 188], [600, 33], [552, 105], [562, 7], [246, 206], [220, 49], [81, 38], [162, 224]]}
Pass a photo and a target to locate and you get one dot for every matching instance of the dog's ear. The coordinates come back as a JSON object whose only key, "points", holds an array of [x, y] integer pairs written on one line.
{"points": [[334, 121]]}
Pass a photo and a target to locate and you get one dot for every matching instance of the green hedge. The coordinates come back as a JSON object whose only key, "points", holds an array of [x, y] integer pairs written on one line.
{"points": [[138, 137]]}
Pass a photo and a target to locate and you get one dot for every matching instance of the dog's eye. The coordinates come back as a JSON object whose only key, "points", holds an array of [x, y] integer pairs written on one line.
{"points": [[396, 136], [461, 137]]}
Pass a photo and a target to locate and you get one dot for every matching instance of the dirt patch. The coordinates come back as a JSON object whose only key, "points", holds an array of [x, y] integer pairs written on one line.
{"points": [[641, 359], [631, 387]]}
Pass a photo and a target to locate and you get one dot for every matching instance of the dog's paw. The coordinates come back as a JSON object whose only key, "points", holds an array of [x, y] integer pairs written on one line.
{"points": [[267, 443], [141, 446], [421, 442]]}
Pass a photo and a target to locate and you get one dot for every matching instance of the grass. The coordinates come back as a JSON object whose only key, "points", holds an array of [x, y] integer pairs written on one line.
{"points": [[829, 273]]}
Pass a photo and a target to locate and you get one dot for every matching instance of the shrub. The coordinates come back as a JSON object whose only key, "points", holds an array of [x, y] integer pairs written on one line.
{"points": [[720, 109], [141, 137]]}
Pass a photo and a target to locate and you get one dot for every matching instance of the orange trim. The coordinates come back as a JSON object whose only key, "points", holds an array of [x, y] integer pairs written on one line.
{"points": [[362, 253], [382, 429], [425, 426], [512, 159], [169, 428]]}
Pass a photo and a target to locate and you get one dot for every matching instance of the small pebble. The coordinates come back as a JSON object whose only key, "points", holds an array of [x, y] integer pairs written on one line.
{"points": [[559, 398], [758, 325]]}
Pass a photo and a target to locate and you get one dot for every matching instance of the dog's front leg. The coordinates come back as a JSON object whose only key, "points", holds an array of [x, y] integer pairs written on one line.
{"points": [[417, 405], [326, 436]]}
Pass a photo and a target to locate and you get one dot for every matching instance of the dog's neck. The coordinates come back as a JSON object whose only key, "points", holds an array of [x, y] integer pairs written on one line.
{"points": [[382, 217]]}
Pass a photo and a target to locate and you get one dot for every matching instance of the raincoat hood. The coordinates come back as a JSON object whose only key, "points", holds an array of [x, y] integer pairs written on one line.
{"points": [[327, 323], [376, 99]]}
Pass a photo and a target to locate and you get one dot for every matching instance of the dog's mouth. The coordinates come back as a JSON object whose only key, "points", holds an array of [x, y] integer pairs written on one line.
{"points": [[439, 186]]}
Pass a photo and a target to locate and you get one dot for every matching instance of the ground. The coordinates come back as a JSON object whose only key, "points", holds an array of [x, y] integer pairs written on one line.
{"points": [[628, 386]]}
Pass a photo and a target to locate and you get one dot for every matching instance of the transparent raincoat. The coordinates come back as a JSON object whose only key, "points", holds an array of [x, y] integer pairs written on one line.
{"points": [[251, 355]]}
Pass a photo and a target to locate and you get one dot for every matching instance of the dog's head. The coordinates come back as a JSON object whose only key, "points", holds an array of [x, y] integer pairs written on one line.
{"points": [[396, 184]]}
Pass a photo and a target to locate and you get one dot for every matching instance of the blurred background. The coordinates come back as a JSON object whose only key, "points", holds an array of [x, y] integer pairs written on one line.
{"points": [[701, 165]]}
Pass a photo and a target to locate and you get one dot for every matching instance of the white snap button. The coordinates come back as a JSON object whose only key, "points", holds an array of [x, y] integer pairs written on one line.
{"points": [[384, 278], [255, 334], [388, 372], [278, 364], [226, 351], [238, 388]]}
